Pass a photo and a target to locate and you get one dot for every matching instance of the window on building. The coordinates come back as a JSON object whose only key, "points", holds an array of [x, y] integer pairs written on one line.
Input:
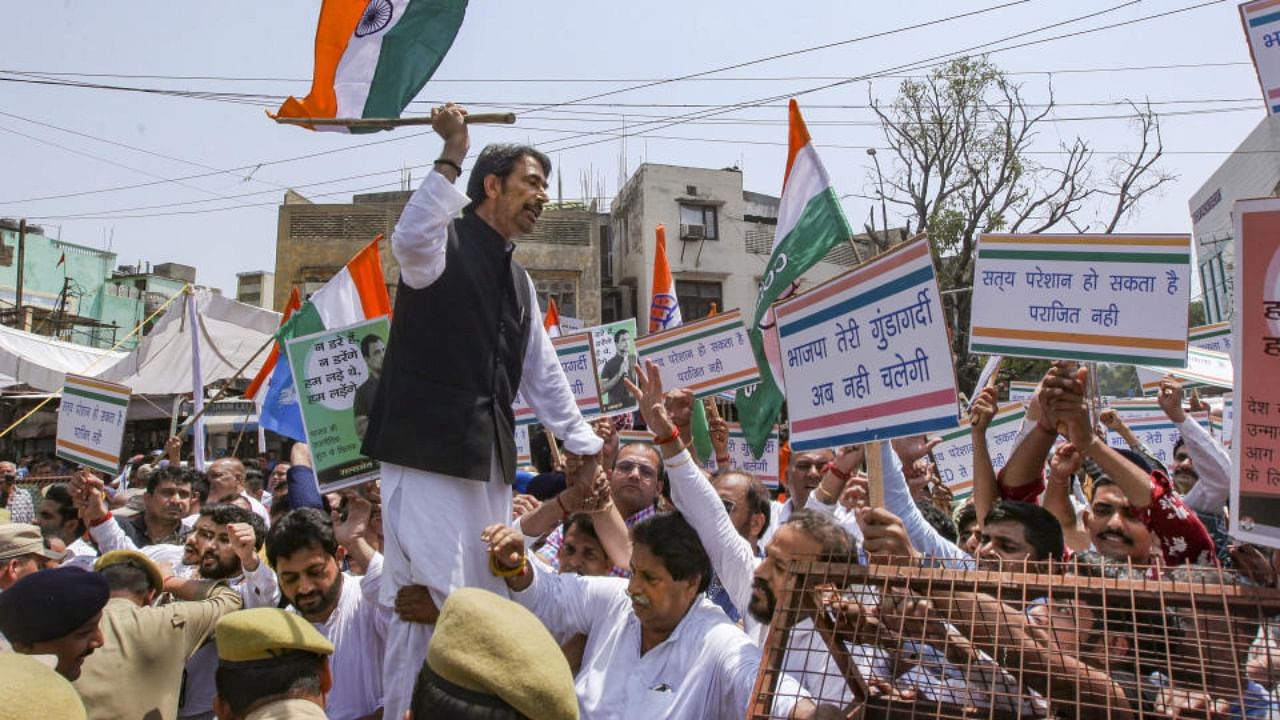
{"points": [[698, 222], [696, 297], [563, 288]]}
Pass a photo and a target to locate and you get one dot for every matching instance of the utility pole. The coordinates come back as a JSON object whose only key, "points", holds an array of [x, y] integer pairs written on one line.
{"points": [[22, 253]]}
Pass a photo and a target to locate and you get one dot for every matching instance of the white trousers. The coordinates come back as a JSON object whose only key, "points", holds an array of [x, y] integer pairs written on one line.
{"points": [[431, 526]]}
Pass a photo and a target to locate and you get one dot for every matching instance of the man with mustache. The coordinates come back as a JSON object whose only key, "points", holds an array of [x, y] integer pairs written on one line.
{"points": [[656, 646], [464, 338], [307, 550], [223, 545]]}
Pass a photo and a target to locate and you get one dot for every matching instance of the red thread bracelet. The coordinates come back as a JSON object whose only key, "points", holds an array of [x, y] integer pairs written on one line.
{"points": [[845, 476], [675, 435], [563, 509]]}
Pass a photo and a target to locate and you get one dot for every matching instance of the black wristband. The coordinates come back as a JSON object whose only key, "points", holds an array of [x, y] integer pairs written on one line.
{"points": [[450, 163]]}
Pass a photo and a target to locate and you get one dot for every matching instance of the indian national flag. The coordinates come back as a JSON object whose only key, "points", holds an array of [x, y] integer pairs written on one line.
{"points": [[355, 293], [664, 309], [810, 223], [373, 56]]}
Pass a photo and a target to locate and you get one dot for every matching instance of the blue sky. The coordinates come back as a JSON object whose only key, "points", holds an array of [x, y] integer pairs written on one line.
{"points": [[548, 53]]}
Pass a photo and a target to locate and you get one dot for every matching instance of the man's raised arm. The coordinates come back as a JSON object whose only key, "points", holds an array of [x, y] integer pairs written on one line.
{"points": [[418, 240]]}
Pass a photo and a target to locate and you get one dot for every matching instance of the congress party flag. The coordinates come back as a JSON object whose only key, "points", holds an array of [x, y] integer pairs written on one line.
{"points": [[664, 310], [373, 56], [810, 223], [356, 292]]}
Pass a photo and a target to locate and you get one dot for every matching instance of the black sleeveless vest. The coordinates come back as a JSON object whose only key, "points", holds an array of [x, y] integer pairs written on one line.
{"points": [[453, 362]]}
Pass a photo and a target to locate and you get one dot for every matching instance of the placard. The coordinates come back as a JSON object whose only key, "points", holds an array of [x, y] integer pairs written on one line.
{"points": [[91, 417], [1157, 433], [578, 359], [337, 373], [708, 356], [1204, 367], [1261, 20], [1108, 298], [765, 469], [1255, 435], [1022, 391], [865, 355], [524, 452], [616, 358], [1211, 337], [954, 456]]}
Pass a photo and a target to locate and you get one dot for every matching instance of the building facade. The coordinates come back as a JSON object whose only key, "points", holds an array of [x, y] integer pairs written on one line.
{"points": [[257, 288], [316, 240], [1252, 171], [77, 293], [719, 239]]}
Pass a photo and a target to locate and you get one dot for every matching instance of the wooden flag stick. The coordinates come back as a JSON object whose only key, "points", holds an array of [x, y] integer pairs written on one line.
{"points": [[875, 475], [388, 123]]}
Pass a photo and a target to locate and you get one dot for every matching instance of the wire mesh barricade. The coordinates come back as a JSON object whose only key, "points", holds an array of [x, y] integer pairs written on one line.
{"points": [[1086, 639]]}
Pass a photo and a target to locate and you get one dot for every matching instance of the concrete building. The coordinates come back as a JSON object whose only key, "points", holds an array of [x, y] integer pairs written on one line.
{"points": [[315, 240], [718, 241], [77, 293], [1252, 171], [257, 288]]}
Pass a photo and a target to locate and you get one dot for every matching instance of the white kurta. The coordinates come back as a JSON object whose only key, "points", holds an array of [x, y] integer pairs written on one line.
{"points": [[431, 521], [705, 669]]}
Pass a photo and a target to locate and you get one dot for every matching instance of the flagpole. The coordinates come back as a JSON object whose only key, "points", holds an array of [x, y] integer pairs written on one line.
{"points": [[223, 390], [388, 123]]}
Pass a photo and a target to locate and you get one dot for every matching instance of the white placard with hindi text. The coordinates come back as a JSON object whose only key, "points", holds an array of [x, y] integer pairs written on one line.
{"points": [[865, 355], [578, 359], [91, 419], [1107, 298], [954, 456], [709, 356]]}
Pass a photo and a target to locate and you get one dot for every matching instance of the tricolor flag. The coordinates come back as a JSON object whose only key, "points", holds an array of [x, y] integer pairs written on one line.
{"points": [[61, 259], [373, 56], [551, 323], [357, 292], [664, 310], [810, 223]]}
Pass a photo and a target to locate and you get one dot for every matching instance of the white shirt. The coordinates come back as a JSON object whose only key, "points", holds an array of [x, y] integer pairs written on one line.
{"points": [[1212, 464], [733, 561], [358, 630], [705, 669]]}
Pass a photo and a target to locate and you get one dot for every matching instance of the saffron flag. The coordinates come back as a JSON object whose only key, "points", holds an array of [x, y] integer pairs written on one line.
{"points": [[373, 56], [664, 310], [356, 292], [810, 223], [551, 323]]}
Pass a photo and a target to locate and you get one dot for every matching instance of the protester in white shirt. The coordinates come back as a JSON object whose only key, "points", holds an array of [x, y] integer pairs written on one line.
{"points": [[1201, 468], [226, 479], [307, 550], [656, 646]]}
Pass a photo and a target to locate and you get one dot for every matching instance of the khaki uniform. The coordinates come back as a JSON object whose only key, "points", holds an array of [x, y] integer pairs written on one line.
{"points": [[290, 709], [137, 673]]}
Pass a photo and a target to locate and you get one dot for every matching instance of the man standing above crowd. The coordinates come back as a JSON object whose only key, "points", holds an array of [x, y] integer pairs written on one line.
{"points": [[464, 339]]}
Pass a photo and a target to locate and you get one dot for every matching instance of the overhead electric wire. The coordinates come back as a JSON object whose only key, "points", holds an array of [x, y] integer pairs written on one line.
{"points": [[682, 119], [935, 60]]}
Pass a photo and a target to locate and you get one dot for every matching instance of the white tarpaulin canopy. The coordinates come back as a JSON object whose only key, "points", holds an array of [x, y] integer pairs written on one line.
{"points": [[230, 333], [43, 362]]}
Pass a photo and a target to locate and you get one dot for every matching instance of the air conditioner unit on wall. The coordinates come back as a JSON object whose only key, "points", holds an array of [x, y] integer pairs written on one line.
{"points": [[693, 232]]}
